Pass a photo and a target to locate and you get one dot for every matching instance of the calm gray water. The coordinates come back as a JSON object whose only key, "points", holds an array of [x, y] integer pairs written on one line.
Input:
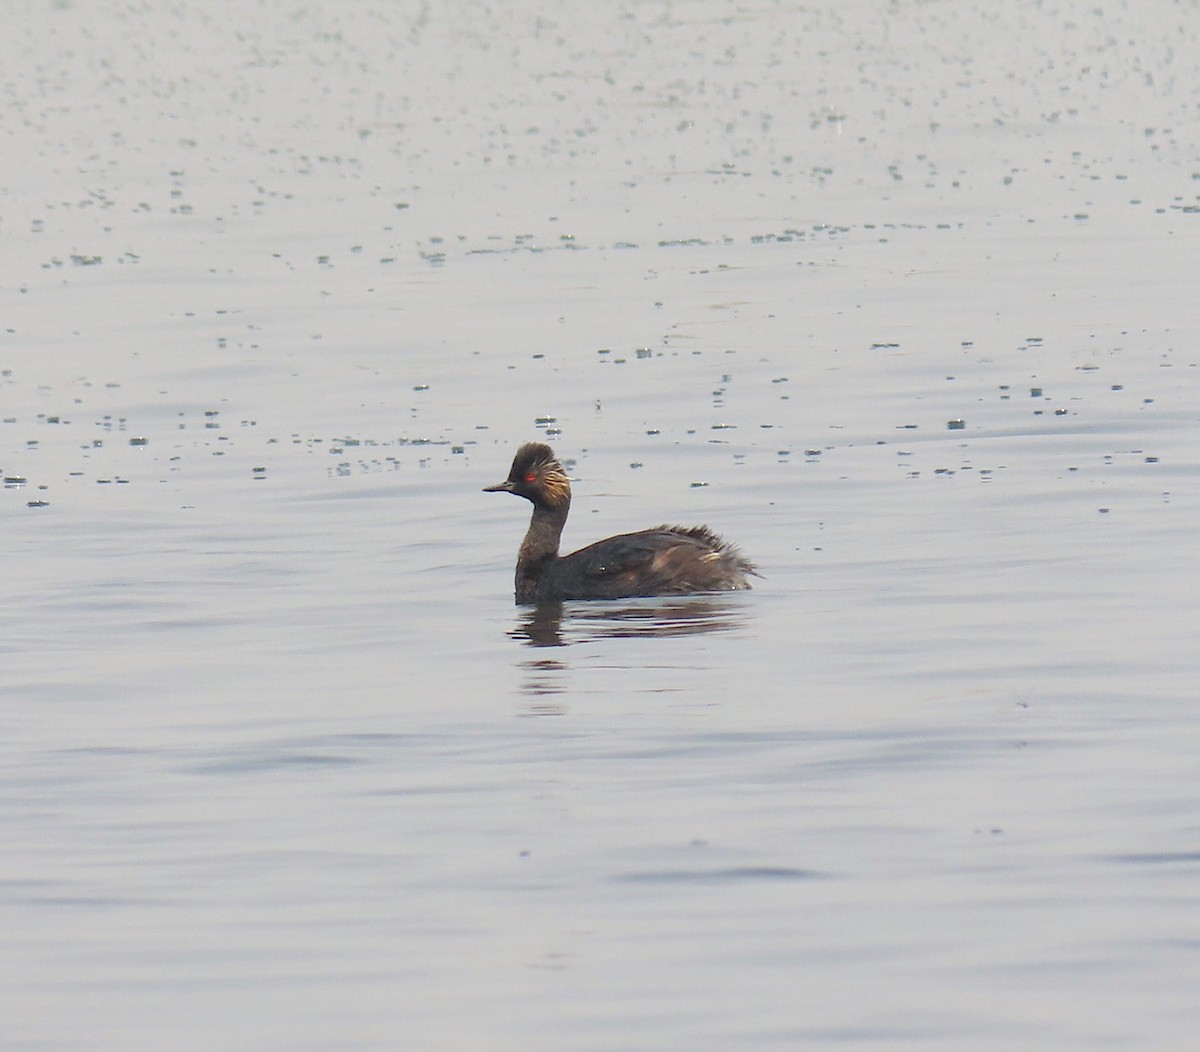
{"points": [[900, 297]]}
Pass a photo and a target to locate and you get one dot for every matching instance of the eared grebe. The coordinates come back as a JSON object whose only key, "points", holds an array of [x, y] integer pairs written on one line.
{"points": [[668, 560]]}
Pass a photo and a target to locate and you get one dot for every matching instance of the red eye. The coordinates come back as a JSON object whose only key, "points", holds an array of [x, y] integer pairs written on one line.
{"points": [[531, 477]]}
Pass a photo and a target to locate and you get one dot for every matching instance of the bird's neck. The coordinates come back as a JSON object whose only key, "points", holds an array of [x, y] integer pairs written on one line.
{"points": [[539, 550]]}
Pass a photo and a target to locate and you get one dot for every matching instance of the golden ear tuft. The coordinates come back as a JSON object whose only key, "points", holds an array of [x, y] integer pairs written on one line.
{"points": [[556, 485]]}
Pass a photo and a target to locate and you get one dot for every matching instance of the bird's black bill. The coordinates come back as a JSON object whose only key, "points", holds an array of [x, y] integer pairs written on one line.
{"points": [[500, 487]]}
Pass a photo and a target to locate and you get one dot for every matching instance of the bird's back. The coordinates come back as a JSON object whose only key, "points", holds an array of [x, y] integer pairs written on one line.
{"points": [[667, 560]]}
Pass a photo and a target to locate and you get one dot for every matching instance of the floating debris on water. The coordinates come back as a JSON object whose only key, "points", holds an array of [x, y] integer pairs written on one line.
{"points": [[139, 441], [956, 425], [37, 504]]}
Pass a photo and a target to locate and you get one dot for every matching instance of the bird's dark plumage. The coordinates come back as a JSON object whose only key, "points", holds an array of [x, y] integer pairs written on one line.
{"points": [[667, 560]]}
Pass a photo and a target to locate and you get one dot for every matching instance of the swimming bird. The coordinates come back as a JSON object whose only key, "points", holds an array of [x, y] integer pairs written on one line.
{"points": [[667, 560]]}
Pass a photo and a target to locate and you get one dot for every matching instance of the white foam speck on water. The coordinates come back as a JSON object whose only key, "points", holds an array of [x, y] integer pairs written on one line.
{"points": [[898, 299]]}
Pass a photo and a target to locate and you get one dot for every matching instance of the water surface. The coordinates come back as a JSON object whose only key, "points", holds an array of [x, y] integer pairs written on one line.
{"points": [[894, 297]]}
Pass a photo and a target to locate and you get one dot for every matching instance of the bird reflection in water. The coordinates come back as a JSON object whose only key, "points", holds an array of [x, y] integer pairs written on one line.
{"points": [[567, 624], [564, 624]]}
